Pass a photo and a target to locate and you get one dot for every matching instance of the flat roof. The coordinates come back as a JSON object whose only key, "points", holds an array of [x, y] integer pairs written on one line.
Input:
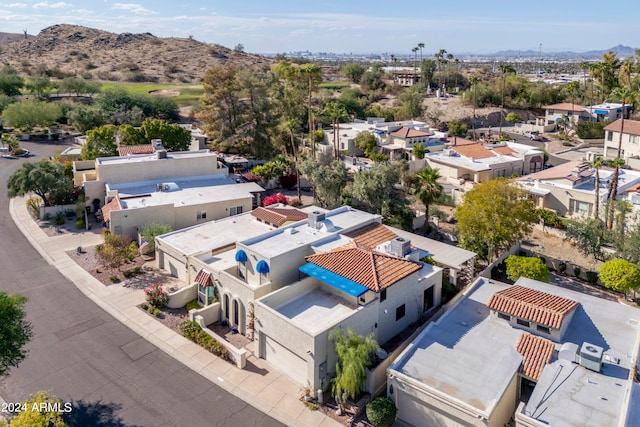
{"points": [[285, 239], [442, 253], [471, 356], [316, 310], [478, 165], [214, 234], [137, 158], [183, 191]]}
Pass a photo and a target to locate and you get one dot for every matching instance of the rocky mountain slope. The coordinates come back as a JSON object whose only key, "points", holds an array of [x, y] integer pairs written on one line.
{"points": [[62, 50]]}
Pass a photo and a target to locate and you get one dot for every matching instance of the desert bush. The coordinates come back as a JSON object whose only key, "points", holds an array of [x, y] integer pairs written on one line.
{"points": [[381, 412], [114, 279], [59, 218], [156, 295], [576, 271], [33, 206], [191, 330], [116, 249], [80, 224], [592, 277]]}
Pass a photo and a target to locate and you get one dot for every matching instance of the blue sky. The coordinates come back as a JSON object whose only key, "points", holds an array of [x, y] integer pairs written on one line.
{"points": [[271, 26]]}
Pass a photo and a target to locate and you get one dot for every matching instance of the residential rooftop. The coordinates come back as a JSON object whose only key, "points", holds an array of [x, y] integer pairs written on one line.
{"points": [[631, 127], [472, 356], [182, 191], [137, 158]]}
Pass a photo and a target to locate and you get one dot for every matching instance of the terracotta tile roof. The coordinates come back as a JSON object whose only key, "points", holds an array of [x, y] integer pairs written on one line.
{"points": [[536, 352], [529, 304], [374, 270], [631, 127], [405, 132], [278, 216], [370, 236], [634, 189], [565, 106], [204, 278], [477, 151], [113, 205], [505, 151], [126, 150]]}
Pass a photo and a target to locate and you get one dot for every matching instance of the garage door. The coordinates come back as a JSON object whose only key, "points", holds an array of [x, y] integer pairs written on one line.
{"points": [[418, 413], [285, 361]]}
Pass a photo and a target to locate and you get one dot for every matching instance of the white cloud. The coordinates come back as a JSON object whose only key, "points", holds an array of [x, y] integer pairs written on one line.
{"points": [[17, 5], [47, 5], [133, 8]]}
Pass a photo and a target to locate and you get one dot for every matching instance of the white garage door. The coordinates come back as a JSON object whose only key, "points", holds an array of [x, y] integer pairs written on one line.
{"points": [[285, 361]]}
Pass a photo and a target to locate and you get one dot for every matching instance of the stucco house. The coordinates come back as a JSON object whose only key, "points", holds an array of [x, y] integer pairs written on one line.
{"points": [[308, 271], [477, 162], [630, 139], [178, 188], [573, 112], [533, 352], [610, 111], [569, 188]]}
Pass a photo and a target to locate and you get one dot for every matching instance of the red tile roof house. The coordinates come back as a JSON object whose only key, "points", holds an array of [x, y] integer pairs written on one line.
{"points": [[338, 268], [569, 188], [533, 352], [575, 113], [630, 141]]}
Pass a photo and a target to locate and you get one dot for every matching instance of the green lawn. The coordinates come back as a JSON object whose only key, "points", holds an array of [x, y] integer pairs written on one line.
{"points": [[190, 94]]}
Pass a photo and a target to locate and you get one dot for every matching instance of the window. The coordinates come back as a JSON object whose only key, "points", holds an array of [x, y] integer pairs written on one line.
{"points": [[580, 208], [400, 312], [550, 112], [427, 298], [383, 295], [501, 172], [504, 316], [522, 322], [544, 329], [609, 136], [633, 139], [201, 215], [235, 210]]}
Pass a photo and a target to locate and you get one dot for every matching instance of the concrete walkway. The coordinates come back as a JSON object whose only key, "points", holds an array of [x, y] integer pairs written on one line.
{"points": [[258, 384]]}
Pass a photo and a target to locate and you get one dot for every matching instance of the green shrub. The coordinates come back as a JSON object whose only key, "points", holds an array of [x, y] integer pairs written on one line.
{"points": [[576, 271], [154, 311], [144, 306], [193, 305], [137, 270], [59, 218], [381, 412], [592, 277], [189, 329], [80, 224], [562, 267], [529, 267], [156, 295], [128, 273], [114, 279]]}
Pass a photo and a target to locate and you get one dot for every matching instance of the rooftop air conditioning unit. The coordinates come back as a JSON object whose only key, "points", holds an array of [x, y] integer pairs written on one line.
{"points": [[399, 247], [161, 154], [591, 356], [315, 219]]}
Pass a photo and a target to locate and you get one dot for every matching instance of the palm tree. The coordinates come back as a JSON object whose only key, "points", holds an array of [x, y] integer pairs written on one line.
{"points": [[504, 69], [335, 111], [290, 125], [440, 59], [314, 74], [427, 188], [597, 164], [415, 58], [474, 80], [421, 46], [626, 96], [393, 61], [573, 88]]}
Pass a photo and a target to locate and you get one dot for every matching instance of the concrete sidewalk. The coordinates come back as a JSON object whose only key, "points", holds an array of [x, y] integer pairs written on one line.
{"points": [[258, 384]]}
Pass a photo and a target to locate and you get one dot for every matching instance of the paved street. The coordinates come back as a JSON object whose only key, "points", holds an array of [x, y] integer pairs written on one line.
{"points": [[82, 354]]}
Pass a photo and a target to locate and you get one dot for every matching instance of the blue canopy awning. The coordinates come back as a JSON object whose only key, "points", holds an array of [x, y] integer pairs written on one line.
{"points": [[330, 278], [262, 267], [558, 119], [241, 256], [603, 112]]}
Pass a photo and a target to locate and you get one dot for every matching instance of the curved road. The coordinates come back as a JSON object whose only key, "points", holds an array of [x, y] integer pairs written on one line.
{"points": [[83, 355]]}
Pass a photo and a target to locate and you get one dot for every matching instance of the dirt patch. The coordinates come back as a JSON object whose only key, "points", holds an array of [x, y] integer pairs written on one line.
{"points": [[171, 317], [149, 274]]}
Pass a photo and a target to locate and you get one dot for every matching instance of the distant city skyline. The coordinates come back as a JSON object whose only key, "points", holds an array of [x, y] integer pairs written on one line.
{"points": [[274, 26]]}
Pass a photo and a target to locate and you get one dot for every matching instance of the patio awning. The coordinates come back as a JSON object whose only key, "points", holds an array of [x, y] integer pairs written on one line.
{"points": [[603, 112], [330, 278], [262, 267], [204, 279], [536, 159], [241, 256]]}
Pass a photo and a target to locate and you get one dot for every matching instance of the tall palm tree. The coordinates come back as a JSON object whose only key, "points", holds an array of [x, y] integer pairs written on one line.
{"points": [[421, 46], [415, 58], [474, 80], [504, 69], [440, 60], [314, 75], [336, 112], [625, 96], [597, 164], [393, 61], [291, 125], [427, 188], [572, 88]]}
